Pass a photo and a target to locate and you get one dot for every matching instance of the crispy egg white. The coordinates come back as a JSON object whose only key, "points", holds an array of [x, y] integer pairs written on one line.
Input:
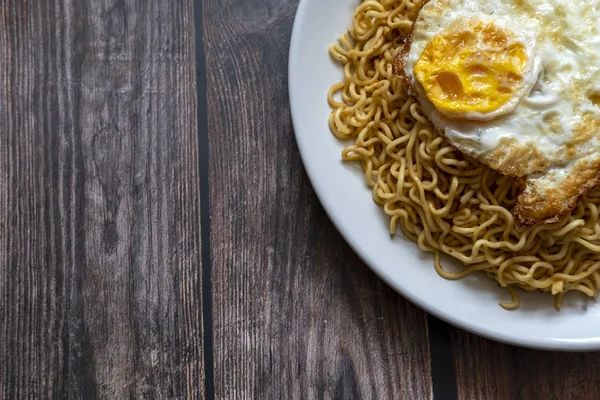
{"points": [[515, 84]]}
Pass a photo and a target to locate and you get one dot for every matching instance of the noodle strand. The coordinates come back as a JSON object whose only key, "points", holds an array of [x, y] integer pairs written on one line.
{"points": [[443, 200]]}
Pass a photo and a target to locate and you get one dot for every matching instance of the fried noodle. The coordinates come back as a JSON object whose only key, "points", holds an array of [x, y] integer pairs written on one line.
{"points": [[441, 199]]}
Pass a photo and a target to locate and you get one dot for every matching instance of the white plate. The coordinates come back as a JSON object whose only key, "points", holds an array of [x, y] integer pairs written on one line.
{"points": [[471, 303]]}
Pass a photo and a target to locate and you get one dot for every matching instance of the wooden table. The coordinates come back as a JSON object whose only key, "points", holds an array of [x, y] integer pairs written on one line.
{"points": [[159, 237]]}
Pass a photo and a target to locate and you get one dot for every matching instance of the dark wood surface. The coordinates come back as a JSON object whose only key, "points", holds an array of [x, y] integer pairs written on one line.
{"points": [[295, 312], [488, 370], [130, 127], [100, 266]]}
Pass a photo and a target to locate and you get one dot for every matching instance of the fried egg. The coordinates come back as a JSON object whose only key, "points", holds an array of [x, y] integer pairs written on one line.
{"points": [[515, 84]]}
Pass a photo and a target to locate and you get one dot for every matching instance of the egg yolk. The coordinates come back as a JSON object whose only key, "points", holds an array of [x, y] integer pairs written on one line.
{"points": [[473, 66]]}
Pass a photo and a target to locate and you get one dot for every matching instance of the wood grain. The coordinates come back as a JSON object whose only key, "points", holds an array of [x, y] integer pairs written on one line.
{"points": [[100, 271], [296, 314], [491, 370]]}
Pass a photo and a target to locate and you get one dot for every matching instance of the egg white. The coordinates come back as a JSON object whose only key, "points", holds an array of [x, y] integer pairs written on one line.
{"points": [[564, 45]]}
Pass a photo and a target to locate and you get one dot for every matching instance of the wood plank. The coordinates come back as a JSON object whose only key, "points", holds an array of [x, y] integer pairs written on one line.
{"points": [[100, 270], [296, 314], [489, 370]]}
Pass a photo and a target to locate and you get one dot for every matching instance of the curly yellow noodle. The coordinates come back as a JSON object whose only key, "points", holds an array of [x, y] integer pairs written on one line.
{"points": [[440, 198], [514, 303]]}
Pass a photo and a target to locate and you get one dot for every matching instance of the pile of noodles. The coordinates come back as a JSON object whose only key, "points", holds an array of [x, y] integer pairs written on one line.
{"points": [[443, 200]]}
